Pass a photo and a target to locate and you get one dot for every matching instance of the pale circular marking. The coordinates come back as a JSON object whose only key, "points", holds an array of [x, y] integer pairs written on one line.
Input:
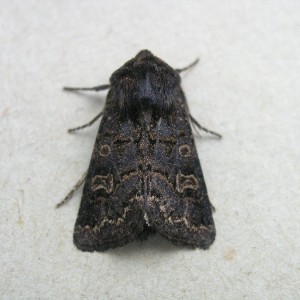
{"points": [[104, 150], [185, 151]]}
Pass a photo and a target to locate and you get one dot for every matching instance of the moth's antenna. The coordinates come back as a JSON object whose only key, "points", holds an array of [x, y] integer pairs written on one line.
{"points": [[95, 88], [188, 67]]}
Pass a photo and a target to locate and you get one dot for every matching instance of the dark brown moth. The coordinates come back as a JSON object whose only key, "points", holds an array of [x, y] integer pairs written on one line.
{"points": [[144, 175]]}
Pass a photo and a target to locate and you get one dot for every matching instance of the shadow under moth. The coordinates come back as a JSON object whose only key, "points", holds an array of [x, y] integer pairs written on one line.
{"points": [[144, 175]]}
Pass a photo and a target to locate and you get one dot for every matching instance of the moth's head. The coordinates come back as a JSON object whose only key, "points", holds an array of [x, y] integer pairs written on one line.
{"points": [[145, 82]]}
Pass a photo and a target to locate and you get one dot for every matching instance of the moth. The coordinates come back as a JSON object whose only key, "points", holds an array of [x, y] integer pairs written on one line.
{"points": [[144, 175]]}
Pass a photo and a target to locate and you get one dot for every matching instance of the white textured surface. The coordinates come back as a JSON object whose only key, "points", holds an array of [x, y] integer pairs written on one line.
{"points": [[246, 87]]}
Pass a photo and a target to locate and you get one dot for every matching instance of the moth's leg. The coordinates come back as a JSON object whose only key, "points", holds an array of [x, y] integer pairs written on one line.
{"points": [[193, 120], [87, 124], [213, 209], [74, 189], [95, 88], [188, 67], [197, 133]]}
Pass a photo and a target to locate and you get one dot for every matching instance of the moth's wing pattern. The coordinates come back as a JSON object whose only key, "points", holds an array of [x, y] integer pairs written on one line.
{"points": [[110, 214], [178, 206]]}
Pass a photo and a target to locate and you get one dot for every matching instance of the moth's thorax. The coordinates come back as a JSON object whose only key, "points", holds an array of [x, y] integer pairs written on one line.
{"points": [[144, 83]]}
